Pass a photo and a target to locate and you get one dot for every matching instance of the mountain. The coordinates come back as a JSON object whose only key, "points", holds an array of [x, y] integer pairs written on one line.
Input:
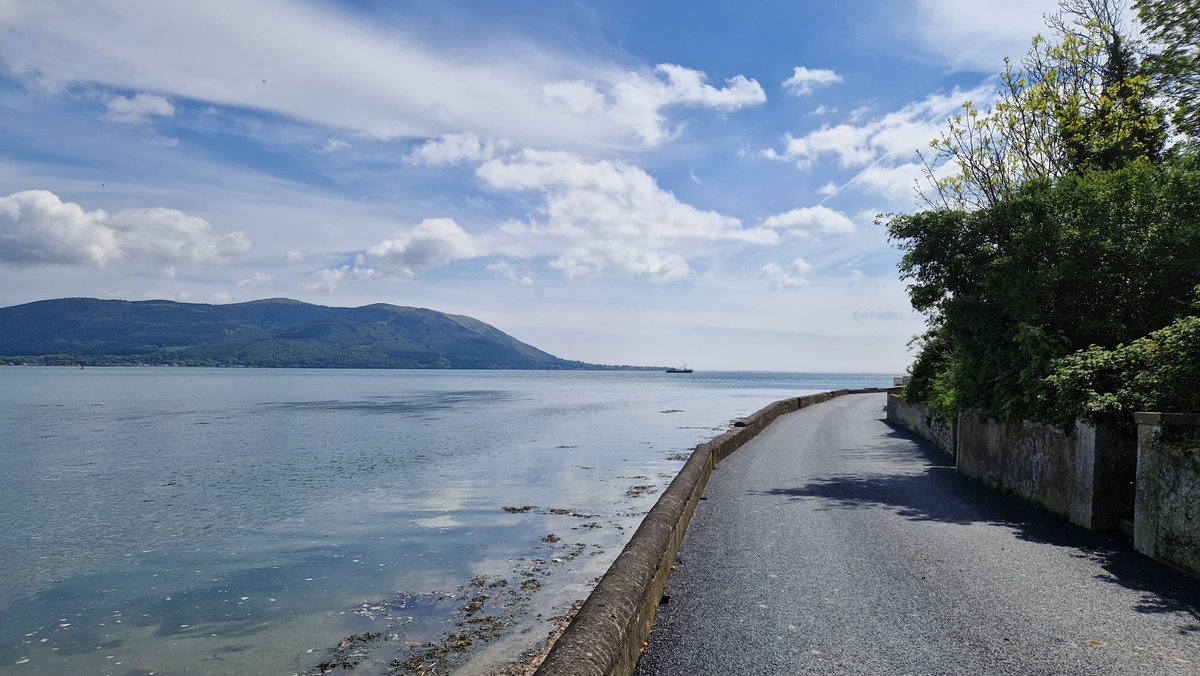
{"points": [[273, 332]]}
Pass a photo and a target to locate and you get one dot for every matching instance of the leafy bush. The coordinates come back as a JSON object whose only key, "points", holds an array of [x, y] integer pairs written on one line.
{"points": [[932, 380], [1160, 372], [1100, 258]]}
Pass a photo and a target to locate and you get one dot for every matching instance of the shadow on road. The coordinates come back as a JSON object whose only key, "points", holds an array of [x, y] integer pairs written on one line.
{"points": [[914, 479]]}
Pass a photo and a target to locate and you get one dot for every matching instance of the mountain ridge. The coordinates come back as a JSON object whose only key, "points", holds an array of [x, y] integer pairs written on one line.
{"points": [[269, 332]]}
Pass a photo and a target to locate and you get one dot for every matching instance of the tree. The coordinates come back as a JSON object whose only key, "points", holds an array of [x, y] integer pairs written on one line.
{"points": [[1074, 103], [1173, 28], [1100, 257], [1061, 236]]}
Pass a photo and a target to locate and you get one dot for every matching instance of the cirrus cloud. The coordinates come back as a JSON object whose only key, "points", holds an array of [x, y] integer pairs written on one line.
{"points": [[350, 74]]}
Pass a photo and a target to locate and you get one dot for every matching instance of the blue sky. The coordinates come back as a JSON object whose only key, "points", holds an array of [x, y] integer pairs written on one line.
{"points": [[615, 182]]}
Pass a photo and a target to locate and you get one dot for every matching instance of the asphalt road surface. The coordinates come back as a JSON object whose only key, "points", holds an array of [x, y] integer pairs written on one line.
{"points": [[834, 543]]}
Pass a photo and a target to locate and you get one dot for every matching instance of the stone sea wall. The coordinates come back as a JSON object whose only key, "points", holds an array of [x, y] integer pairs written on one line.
{"points": [[606, 636]]}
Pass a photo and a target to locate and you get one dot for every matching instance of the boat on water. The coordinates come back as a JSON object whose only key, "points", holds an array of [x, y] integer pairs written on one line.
{"points": [[685, 369]]}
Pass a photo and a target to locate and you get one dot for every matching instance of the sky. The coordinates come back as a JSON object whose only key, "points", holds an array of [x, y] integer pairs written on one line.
{"points": [[612, 181]]}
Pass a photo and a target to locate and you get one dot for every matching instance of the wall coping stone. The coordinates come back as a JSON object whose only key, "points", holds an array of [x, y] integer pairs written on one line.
{"points": [[1151, 418]]}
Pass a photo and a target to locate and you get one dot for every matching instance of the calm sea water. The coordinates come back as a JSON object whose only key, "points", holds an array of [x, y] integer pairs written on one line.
{"points": [[232, 521]]}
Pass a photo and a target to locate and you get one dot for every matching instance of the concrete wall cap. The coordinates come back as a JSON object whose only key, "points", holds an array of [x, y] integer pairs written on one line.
{"points": [[1152, 418]]}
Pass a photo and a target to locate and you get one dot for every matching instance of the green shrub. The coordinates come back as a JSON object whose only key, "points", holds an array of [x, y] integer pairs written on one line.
{"points": [[1100, 258], [1160, 372]]}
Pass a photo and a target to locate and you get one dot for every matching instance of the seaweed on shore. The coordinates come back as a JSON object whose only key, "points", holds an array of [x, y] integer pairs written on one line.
{"points": [[556, 511], [488, 605], [480, 611], [640, 490], [350, 652]]}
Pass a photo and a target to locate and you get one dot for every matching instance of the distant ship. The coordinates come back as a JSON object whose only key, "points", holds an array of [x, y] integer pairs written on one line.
{"points": [[685, 369]]}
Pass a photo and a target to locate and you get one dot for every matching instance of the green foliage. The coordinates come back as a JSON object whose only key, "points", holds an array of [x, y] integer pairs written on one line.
{"points": [[1121, 125], [1097, 258], [1059, 219], [1076, 101], [1160, 372], [932, 374], [1038, 351], [1173, 28]]}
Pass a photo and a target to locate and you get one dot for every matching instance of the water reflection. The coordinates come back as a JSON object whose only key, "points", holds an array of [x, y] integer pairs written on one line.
{"points": [[237, 521]]}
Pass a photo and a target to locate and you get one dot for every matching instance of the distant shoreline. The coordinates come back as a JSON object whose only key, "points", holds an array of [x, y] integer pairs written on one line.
{"points": [[88, 362]]}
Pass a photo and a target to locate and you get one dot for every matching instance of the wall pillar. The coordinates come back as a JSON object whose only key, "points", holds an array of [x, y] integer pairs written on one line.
{"points": [[1166, 524]]}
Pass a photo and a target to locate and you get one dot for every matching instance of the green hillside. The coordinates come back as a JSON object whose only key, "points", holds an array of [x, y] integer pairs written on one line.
{"points": [[276, 332]]}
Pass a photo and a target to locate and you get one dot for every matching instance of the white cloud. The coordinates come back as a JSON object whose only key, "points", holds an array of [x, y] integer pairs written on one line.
{"points": [[333, 145], [811, 221], [896, 183], [294, 256], [511, 273], [138, 108], [591, 261], [36, 226], [884, 148], [325, 65], [848, 143], [579, 97], [791, 277], [327, 279], [636, 100], [880, 313], [828, 189], [805, 81], [608, 214], [432, 243], [454, 149], [255, 281], [171, 236], [977, 35]]}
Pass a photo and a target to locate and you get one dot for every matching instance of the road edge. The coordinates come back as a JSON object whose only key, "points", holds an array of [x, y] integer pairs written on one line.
{"points": [[607, 635]]}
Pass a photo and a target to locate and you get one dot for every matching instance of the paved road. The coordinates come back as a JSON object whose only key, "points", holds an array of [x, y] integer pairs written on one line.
{"points": [[834, 543]]}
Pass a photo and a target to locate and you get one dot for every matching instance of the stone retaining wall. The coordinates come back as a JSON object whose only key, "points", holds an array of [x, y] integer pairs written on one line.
{"points": [[1167, 519], [918, 419], [1084, 472]]}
